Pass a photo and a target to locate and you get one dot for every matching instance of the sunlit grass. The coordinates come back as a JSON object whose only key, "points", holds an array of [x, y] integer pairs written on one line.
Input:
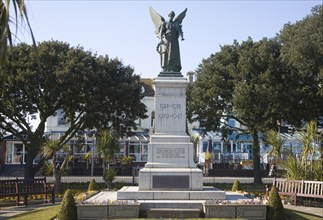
{"points": [[40, 214]]}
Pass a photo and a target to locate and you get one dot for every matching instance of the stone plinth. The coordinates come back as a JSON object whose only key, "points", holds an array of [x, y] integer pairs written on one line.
{"points": [[170, 163], [170, 151], [170, 177]]}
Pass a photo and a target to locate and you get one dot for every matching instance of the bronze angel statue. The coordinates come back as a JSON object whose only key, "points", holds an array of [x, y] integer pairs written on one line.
{"points": [[169, 32]]}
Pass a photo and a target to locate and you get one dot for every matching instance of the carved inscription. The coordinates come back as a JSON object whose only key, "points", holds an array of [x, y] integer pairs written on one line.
{"points": [[170, 111], [170, 153]]}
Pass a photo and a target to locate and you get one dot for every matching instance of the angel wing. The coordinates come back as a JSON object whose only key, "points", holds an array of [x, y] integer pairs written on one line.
{"points": [[181, 16], [157, 19]]}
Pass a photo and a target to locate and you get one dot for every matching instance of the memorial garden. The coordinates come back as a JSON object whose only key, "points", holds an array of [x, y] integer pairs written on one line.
{"points": [[87, 104]]}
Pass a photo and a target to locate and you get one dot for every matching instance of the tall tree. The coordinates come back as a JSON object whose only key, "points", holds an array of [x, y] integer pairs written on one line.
{"points": [[258, 83], [244, 82], [302, 51], [92, 91]]}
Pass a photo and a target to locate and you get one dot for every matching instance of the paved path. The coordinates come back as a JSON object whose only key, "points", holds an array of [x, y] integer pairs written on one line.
{"points": [[310, 210]]}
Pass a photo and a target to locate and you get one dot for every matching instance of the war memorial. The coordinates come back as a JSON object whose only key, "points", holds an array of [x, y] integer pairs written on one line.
{"points": [[170, 172], [170, 185]]}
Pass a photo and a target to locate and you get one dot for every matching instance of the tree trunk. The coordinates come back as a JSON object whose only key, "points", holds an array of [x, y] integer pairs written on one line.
{"points": [[32, 149], [29, 167], [256, 157], [58, 181]]}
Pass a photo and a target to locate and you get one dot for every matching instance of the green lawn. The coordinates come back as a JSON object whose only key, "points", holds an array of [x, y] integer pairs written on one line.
{"points": [[49, 212], [40, 214]]}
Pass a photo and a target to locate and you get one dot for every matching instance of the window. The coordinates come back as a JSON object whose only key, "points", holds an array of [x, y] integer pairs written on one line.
{"points": [[15, 153], [138, 150], [61, 120]]}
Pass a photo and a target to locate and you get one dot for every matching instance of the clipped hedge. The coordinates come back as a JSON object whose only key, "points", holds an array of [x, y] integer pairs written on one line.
{"points": [[236, 186], [68, 208], [92, 186], [275, 206]]}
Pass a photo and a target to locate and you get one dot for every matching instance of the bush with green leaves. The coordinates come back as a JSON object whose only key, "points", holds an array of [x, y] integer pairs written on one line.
{"points": [[68, 208], [294, 168], [275, 205], [109, 176], [317, 170], [92, 186], [236, 186]]}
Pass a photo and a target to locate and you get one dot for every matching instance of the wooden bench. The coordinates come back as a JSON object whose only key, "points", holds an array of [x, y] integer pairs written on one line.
{"points": [[23, 188], [299, 188]]}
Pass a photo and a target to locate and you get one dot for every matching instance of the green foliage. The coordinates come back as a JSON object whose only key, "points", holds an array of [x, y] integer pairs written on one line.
{"points": [[48, 168], [68, 208], [107, 144], [294, 168], [302, 51], [236, 186], [275, 206], [92, 185], [108, 177], [106, 93], [317, 170], [208, 155], [8, 18], [309, 139], [274, 139], [303, 168], [257, 83], [126, 160]]}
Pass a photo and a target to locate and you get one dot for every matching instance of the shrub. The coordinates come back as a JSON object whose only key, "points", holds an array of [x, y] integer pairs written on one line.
{"points": [[68, 208], [236, 186], [108, 177], [275, 205], [92, 186]]}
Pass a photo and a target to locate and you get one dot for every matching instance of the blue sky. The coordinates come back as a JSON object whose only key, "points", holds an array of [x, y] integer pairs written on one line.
{"points": [[125, 30]]}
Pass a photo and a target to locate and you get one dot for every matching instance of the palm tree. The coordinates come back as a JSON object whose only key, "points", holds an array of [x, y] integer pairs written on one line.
{"points": [[309, 139], [51, 147], [106, 146], [274, 139], [20, 10]]}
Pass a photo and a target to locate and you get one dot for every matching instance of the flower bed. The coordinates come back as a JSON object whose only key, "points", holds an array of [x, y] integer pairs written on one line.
{"points": [[83, 196]]}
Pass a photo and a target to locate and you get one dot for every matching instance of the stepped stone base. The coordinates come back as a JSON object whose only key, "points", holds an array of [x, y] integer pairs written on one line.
{"points": [[133, 193]]}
